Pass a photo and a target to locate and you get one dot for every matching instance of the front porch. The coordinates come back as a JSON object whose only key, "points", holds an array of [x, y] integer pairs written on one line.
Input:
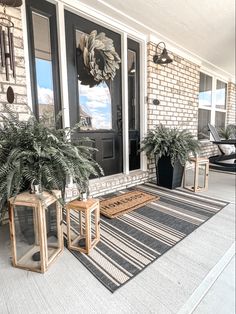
{"points": [[175, 283]]}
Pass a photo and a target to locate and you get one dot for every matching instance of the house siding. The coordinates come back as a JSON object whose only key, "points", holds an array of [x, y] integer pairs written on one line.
{"points": [[19, 82]]}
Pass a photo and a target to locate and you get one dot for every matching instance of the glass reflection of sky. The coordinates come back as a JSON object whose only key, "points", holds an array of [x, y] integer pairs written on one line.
{"points": [[44, 73], [205, 98], [220, 98], [45, 91], [44, 81], [95, 103]]}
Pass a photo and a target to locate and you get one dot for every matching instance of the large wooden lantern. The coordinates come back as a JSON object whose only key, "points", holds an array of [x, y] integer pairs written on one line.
{"points": [[196, 174], [36, 230], [83, 224]]}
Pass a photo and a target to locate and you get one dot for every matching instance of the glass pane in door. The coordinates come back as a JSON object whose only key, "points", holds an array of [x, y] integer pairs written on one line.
{"points": [[95, 101]]}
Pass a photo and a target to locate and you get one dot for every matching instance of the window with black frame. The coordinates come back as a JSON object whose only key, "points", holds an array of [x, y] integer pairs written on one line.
{"points": [[43, 51]]}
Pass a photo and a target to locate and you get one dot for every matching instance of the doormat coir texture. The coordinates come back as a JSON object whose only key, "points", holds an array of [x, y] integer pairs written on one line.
{"points": [[119, 205]]}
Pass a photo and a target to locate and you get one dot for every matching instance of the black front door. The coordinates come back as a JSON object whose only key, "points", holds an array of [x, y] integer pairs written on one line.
{"points": [[99, 107]]}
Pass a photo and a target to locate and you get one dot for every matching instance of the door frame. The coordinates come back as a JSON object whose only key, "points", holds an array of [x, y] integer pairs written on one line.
{"points": [[125, 32]]}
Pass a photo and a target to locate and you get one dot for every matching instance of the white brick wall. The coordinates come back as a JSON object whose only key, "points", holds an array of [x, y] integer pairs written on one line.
{"points": [[19, 83], [231, 108], [176, 86], [110, 184]]}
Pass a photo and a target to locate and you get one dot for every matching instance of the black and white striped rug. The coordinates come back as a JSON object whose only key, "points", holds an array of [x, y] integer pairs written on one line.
{"points": [[133, 241]]}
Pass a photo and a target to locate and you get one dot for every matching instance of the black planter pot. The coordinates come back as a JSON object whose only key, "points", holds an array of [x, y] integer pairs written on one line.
{"points": [[168, 176]]}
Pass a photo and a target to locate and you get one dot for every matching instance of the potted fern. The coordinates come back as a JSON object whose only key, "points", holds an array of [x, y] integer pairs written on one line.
{"points": [[171, 149], [228, 132], [34, 154]]}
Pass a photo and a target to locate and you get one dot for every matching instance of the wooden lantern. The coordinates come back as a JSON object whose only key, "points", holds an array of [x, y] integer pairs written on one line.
{"points": [[83, 224], [196, 174], [36, 230]]}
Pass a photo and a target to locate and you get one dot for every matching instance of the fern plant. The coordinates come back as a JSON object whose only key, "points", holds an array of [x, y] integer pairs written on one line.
{"points": [[31, 152], [170, 142], [228, 132]]}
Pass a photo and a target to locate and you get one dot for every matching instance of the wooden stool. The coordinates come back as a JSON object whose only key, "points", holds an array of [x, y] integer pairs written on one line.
{"points": [[196, 164], [83, 232]]}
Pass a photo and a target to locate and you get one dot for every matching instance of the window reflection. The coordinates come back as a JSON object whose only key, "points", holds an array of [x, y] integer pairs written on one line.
{"points": [[133, 105], [95, 103], [132, 89], [220, 94], [204, 117], [95, 107], [220, 120], [43, 64], [205, 91]]}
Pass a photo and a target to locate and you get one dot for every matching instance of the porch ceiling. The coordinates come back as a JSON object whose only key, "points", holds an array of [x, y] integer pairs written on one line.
{"points": [[205, 28]]}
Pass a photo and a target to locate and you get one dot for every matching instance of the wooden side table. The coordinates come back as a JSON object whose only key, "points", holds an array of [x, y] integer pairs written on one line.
{"points": [[200, 167], [83, 224]]}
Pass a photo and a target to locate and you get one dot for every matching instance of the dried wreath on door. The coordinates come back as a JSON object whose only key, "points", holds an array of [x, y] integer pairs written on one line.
{"points": [[96, 53]]}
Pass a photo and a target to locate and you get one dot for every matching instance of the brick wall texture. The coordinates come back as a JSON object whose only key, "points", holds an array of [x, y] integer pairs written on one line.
{"points": [[19, 83], [231, 102], [176, 87]]}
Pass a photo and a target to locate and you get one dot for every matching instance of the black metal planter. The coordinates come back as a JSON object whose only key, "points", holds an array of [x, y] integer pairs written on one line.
{"points": [[168, 176]]}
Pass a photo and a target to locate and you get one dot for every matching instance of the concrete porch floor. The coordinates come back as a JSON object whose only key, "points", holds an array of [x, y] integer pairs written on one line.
{"points": [[196, 276]]}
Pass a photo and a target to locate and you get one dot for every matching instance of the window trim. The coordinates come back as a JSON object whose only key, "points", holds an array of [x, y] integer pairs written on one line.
{"points": [[49, 11], [213, 109]]}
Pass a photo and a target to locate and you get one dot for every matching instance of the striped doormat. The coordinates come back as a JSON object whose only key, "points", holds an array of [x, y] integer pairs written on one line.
{"points": [[133, 241]]}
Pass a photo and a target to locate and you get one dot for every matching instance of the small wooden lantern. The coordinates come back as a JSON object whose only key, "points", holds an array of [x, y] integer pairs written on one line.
{"points": [[196, 174], [83, 224], [36, 230]]}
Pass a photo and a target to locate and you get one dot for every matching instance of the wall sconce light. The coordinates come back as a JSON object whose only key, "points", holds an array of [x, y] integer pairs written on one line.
{"points": [[163, 57]]}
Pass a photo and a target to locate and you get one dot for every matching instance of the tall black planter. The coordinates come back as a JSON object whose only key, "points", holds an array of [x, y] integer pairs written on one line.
{"points": [[168, 176]]}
